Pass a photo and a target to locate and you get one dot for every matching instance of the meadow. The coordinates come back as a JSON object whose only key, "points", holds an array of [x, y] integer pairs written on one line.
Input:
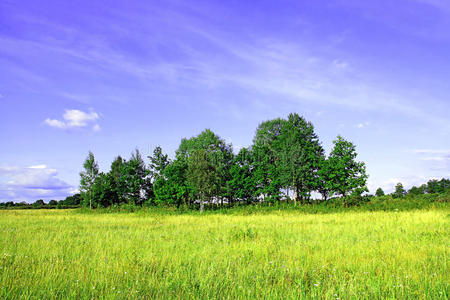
{"points": [[282, 254]]}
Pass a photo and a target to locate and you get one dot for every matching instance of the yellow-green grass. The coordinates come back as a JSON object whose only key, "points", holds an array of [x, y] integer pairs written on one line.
{"points": [[287, 254]]}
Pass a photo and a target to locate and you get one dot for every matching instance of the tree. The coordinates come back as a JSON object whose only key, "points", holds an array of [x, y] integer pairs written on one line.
{"points": [[53, 202], [201, 175], [399, 191], [301, 156], [347, 174], [219, 156], [71, 200], [416, 190], [39, 203], [137, 182], [88, 177], [379, 192], [158, 162], [266, 152], [241, 185], [103, 191], [324, 181], [117, 181]]}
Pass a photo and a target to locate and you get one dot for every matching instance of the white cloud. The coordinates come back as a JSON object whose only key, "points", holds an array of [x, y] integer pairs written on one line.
{"points": [[437, 160], [31, 183], [78, 118], [75, 118], [433, 155], [363, 125], [38, 167], [96, 128], [55, 123]]}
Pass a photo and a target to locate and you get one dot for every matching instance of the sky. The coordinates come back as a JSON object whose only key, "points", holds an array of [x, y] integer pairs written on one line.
{"points": [[112, 76]]}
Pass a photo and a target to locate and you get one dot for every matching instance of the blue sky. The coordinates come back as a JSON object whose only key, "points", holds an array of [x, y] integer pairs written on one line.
{"points": [[110, 76]]}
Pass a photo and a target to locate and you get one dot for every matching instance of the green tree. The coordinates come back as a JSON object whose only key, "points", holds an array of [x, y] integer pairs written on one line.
{"points": [[136, 179], [103, 192], [158, 162], [399, 191], [347, 175], [241, 185], [416, 190], [324, 181], [72, 200], [201, 175], [53, 202], [117, 181], [172, 187], [379, 192], [88, 176], [219, 155], [266, 152], [39, 203], [300, 157]]}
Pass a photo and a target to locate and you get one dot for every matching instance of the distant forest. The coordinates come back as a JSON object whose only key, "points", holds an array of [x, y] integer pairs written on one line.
{"points": [[286, 162]]}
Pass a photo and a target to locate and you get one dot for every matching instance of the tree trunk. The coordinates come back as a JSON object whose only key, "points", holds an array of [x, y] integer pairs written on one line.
{"points": [[201, 204], [296, 198]]}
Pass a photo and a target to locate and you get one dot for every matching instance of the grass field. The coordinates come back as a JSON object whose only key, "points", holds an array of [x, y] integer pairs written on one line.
{"points": [[287, 254]]}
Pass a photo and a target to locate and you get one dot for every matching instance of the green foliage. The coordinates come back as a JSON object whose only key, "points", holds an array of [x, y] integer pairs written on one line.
{"points": [[379, 192], [347, 174], [300, 157], [399, 191], [242, 185], [88, 177], [325, 184], [266, 152], [201, 175]]}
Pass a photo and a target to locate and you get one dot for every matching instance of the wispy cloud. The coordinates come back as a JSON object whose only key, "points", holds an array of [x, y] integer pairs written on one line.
{"points": [[274, 67], [74, 118], [363, 125], [433, 155]]}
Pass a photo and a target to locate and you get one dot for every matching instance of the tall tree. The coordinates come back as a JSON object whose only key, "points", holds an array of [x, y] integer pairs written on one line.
{"points": [[117, 180], [219, 155], [300, 156], [347, 175], [266, 151], [241, 185], [324, 183], [137, 180], [158, 162], [201, 175], [88, 176]]}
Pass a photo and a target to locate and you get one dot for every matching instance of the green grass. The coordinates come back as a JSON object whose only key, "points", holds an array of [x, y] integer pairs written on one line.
{"points": [[277, 254]]}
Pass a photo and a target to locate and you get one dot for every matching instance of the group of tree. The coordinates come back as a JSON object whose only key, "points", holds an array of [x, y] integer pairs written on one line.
{"points": [[286, 162], [69, 202], [433, 186]]}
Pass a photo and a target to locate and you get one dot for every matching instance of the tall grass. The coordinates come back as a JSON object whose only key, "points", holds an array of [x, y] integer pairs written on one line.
{"points": [[272, 255]]}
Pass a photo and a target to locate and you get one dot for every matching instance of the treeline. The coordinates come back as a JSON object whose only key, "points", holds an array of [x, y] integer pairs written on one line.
{"points": [[433, 186], [73, 201], [286, 162]]}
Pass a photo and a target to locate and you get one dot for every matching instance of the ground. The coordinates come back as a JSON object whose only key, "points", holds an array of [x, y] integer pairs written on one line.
{"points": [[280, 254]]}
